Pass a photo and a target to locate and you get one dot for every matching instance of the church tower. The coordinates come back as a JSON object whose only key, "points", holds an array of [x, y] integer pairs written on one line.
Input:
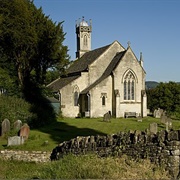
{"points": [[83, 37]]}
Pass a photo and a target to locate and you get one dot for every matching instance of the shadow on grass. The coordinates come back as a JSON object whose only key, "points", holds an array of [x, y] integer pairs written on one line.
{"points": [[61, 131]]}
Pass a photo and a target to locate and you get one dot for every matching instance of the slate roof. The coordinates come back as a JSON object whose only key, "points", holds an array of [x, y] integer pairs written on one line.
{"points": [[61, 82], [52, 100], [107, 72], [82, 63]]}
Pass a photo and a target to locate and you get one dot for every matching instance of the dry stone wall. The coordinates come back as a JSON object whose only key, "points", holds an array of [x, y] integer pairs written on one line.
{"points": [[27, 156], [162, 148]]}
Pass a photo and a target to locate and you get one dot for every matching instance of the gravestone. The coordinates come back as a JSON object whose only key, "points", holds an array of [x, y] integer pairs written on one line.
{"points": [[5, 126], [107, 117], [163, 119], [167, 121], [139, 119], [15, 140], [17, 125], [168, 124], [153, 128], [24, 131], [158, 113]]}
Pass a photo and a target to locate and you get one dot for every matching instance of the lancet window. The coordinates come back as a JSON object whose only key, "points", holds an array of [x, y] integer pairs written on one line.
{"points": [[103, 96], [85, 40]]}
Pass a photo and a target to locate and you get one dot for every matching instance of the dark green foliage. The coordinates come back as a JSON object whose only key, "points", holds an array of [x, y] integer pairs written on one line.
{"points": [[14, 108], [30, 45], [40, 106], [30, 42], [165, 96], [51, 76]]}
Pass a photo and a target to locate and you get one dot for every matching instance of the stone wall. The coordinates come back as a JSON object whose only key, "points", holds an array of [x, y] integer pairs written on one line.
{"points": [[162, 148], [27, 156]]}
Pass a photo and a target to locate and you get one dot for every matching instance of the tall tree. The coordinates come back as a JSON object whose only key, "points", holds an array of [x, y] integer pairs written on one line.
{"points": [[31, 42]]}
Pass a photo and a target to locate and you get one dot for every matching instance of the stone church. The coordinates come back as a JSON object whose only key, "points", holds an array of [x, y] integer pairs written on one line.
{"points": [[106, 79]]}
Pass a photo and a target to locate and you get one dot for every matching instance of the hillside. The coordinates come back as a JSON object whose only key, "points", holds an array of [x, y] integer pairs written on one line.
{"points": [[151, 84]]}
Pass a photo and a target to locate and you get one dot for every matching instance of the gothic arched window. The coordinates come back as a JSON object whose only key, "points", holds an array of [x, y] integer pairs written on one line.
{"points": [[103, 96], [85, 40], [129, 86], [125, 90]]}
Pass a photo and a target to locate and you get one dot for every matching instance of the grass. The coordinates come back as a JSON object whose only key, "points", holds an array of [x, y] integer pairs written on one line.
{"points": [[68, 128], [83, 167]]}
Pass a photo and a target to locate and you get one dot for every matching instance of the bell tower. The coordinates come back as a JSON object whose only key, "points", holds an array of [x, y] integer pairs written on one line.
{"points": [[83, 36]]}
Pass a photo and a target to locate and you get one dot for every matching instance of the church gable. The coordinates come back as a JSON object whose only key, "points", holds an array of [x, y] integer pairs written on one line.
{"points": [[88, 58], [101, 64], [107, 71], [129, 61]]}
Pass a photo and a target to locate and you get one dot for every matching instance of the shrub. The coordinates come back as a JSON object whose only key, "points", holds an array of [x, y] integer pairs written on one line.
{"points": [[14, 108]]}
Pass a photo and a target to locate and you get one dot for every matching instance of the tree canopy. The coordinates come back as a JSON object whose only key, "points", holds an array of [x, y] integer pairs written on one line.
{"points": [[30, 43], [165, 96]]}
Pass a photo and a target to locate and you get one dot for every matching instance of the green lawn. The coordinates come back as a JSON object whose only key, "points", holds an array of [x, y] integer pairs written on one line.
{"points": [[68, 128], [83, 167]]}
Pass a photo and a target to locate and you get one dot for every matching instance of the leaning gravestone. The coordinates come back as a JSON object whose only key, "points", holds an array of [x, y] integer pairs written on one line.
{"points": [[107, 116], [153, 128], [15, 140], [5, 126], [17, 125], [24, 131]]}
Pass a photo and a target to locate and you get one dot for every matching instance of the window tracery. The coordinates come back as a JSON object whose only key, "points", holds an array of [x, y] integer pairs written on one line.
{"points": [[129, 86]]}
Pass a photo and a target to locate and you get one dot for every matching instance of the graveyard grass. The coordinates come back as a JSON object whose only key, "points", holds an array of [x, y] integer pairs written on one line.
{"points": [[48, 137], [82, 167]]}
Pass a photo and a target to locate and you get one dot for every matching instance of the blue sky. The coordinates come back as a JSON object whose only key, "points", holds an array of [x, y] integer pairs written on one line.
{"points": [[152, 27]]}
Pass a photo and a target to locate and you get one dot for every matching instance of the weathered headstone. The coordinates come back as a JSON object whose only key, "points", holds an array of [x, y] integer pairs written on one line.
{"points": [[17, 125], [168, 124], [139, 119], [5, 126], [153, 128], [24, 131], [158, 113], [167, 121], [107, 117], [15, 140], [163, 119]]}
